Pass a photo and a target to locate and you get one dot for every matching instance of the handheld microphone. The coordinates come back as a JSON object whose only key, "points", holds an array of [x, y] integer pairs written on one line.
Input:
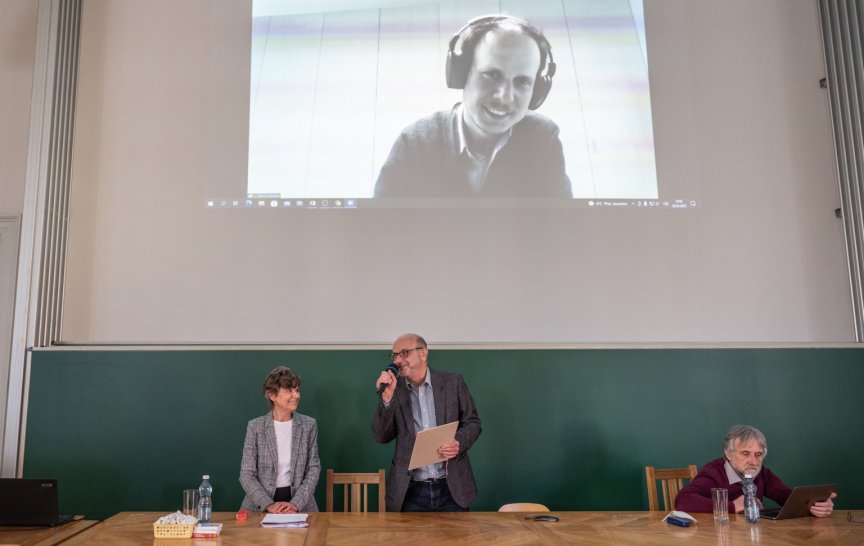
{"points": [[390, 368]]}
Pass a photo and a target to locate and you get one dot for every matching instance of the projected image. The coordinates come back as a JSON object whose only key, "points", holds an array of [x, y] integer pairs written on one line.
{"points": [[526, 99]]}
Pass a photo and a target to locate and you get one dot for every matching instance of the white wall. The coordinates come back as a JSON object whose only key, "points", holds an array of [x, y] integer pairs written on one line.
{"points": [[737, 111], [17, 51]]}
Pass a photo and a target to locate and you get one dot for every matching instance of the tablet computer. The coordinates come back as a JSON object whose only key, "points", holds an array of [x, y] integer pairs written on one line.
{"points": [[799, 502]]}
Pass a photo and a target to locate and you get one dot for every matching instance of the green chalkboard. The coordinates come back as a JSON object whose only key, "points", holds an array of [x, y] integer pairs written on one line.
{"points": [[573, 429]]}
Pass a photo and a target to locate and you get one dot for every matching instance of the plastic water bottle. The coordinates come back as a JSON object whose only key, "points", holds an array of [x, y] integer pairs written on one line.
{"points": [[205, 500], [751, 505]]}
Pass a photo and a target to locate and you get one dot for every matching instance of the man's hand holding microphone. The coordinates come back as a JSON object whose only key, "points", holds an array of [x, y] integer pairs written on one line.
{"points": [[386, 384]]}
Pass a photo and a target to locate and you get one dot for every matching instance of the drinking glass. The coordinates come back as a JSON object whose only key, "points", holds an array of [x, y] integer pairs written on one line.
{"points": [[720, 497], [190, 501]]}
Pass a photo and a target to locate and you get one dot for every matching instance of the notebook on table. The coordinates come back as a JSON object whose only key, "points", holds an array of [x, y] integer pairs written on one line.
{"points": [[29, 501], [799, 502]]}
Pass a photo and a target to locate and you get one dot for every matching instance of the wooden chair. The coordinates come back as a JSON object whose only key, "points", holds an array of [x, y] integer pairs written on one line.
{"points": [[356, 483], [671, 480], [523, 507]]}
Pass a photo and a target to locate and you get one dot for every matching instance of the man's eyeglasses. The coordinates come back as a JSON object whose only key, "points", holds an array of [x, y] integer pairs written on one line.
{"points": [[403, 353], [853, 519]]}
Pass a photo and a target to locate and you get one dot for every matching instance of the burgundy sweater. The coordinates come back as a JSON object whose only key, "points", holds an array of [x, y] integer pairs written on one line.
{"points": [[696, 496]]}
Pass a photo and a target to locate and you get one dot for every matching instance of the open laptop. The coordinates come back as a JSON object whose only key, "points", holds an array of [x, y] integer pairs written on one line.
{"points": [[799, 502], [31, 502]]}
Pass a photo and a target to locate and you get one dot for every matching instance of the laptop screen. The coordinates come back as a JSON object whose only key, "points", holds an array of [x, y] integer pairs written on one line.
{"points": [[28, 501]]}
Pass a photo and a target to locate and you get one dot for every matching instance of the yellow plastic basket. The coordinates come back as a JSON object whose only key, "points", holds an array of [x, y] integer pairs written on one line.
{"points": [[173, 530]]}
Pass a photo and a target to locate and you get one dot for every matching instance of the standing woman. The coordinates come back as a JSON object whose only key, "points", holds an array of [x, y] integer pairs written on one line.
{"points": [[280, 465]]}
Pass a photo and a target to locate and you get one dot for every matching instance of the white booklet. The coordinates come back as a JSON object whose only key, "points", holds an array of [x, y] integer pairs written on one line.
{"points": [[427, 443], [285, 520]]}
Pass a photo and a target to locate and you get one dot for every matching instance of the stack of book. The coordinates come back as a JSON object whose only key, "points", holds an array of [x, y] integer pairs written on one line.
{"points": [[207, 530]]}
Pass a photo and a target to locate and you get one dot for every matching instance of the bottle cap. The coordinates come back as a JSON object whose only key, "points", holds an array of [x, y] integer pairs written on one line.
{"points": [[206, 477]]}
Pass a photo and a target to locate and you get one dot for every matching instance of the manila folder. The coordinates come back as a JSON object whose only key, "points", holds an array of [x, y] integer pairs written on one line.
{"points": [[427, 443]]}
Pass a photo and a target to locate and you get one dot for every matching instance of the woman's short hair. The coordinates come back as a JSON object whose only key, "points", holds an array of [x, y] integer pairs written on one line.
{"points": [[281, 377]]}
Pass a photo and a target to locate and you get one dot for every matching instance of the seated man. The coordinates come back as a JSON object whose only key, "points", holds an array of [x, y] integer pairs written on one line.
{"points": [[744, 448]]}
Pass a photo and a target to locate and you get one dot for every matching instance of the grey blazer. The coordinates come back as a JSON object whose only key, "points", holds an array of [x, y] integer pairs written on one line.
{"points": [[258, 467], [453, 402]]}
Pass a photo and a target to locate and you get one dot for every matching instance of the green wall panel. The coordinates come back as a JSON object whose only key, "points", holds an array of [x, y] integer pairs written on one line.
{"points": [[573, 429]]}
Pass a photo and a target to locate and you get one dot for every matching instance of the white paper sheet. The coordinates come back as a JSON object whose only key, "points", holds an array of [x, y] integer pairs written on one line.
{"points": [[285, 520]]}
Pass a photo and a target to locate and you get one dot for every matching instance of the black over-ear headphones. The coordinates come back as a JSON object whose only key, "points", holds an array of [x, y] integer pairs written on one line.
{"points": [[459, 64]]}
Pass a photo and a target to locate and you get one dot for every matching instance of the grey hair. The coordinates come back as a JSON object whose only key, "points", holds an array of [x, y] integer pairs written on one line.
{"points": [[744, 433]]}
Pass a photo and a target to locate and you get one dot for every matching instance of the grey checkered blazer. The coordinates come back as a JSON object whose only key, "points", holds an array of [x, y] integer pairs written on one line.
{"points": [[258, 467]]}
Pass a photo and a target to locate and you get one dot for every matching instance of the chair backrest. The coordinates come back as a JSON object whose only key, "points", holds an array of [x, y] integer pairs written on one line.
{"points": [[523, 507], [356, 489], [671, 480]]}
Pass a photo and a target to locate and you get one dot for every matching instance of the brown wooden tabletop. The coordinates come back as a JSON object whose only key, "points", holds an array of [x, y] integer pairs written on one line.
{"points": [[43, 536], [642, 528], [500, 528], [133, 528]]}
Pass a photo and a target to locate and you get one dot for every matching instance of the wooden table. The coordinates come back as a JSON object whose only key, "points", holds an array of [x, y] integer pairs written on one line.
{"points": [[340, 529], [43, 536], [134, 528], [636, 528]]}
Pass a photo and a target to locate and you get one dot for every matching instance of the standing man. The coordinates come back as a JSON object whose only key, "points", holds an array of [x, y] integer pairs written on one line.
{"points": [[492, 144], [744, 449], [418, 399]]}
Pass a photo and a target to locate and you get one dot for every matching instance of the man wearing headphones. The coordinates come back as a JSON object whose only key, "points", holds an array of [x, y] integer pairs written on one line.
{"points": [[492, 144]]}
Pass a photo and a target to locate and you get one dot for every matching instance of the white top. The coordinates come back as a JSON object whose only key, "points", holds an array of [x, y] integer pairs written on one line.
{"points": [[284, 430]]}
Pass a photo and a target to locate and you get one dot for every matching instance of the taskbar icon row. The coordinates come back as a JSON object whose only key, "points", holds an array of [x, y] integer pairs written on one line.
{"points": [[645, 203], [280, 203]]}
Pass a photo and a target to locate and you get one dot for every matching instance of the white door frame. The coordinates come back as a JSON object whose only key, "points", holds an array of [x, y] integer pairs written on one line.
{"points": [[10, 228]]}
